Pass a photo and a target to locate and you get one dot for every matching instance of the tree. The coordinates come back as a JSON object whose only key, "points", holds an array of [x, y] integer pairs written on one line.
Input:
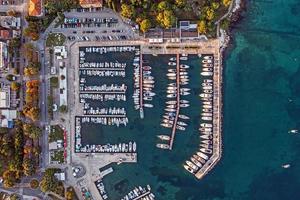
{"points": [[11, 13], [145, 25], [63, 109], [180, 3], [70, 193], [32, 112], [226, 3], [15, 42], [14, 197], [15, 86], [3, 130], [49, 181], [166, 18], [10, 77], [32, 131], [202, 29], [29, 50], [28, 167], [215, 5], [34, 184], [9, 179], [62, 77], [210, 14], [162, 6], [127, 11]]}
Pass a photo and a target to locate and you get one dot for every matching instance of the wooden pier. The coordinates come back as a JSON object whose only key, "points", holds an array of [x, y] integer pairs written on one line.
{"points": [[177, 103], [141, 87]]}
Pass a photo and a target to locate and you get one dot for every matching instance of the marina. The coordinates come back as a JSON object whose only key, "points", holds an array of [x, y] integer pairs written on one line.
{"points": [[172, 90]]}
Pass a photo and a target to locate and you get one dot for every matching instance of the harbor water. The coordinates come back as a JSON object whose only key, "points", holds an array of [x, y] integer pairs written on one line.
{"points": [[261, 105]]}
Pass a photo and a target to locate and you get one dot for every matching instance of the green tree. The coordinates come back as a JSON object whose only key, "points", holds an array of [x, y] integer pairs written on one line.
{"points": [[166, 19], [180, 3], [9, 178], [49, 182], [3, 130], [127, 11], [63, 109], [10, 77], [15, 86], [163, 5], [28, 167], [202, 28], [145, 25], [226, 2]]}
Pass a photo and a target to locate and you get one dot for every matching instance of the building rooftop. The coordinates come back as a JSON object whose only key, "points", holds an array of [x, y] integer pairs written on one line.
{"points": [[90, 3], [35, 8], [3, 55], [10, 22]]}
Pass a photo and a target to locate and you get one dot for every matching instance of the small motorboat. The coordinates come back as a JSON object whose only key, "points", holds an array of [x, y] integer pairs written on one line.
{"points": [[207, 73], [148, 105], [184, 105], [146, 68], [171, 63], [184, 66], [183, 117]]}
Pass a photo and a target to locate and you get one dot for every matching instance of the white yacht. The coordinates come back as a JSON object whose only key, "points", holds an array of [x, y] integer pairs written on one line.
{"points": [[205, 150], [202, 155], [192, 165], [189, 169], [164, 137], [207, 73], [163, 146], [148, 105], [196, 162], [183, 117]]}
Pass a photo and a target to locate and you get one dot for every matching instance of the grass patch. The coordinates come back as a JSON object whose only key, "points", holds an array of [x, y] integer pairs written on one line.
{"points": [[58, 156], [56, 133], [54, 82], [55, 39]]}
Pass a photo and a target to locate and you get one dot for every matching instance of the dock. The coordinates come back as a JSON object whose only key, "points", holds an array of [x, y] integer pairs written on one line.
{"points": [[217, 118], [142, 195], [141, 87], [177, 103]]}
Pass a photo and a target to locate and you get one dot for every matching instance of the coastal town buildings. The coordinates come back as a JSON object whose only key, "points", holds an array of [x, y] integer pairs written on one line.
{"points": [[3, 54], [90, 3], [35, 8]]}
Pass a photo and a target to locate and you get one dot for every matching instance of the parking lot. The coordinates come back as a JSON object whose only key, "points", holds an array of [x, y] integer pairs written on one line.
{"points": [[95, 24]]}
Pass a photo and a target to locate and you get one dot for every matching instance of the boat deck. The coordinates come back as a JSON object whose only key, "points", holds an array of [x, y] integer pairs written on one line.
{"points": [[177, 102]]}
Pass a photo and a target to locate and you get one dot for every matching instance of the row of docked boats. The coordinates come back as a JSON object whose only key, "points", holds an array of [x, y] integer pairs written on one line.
{"points": [[140, 193], [104, 88], [100, 187], [108, 148], [110, 49], [104, 111], [207, 66], [102, 97], [205, 149], [102, 65], [111, 121], [172, 117], [101, 73]]}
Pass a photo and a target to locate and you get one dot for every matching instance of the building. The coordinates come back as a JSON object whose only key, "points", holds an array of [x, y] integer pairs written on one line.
{"points": [[5, 34], [90, 3], [60, 176], [10, 22], [35, 8], [7, 118], [3, 55]]}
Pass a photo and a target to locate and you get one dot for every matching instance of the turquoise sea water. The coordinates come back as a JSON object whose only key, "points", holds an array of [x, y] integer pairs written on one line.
{"points": [[261, 104]]}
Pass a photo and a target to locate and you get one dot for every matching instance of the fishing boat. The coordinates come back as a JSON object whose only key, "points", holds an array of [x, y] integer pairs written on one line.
{"points": [[183, 58], [146, 68], [181, 123], [148, 81], [189, 169], [207, 65], [164, 137], [184, 93], [207, 69], [206, 125], [204, 150], [207, 73], [205, 95], [134, 146], [184, 105], [206, 118], [183, 117], [183, 101], [206, 61], [172, 106], [171, 95], [184, 66], [202, 155], [170, 109], [171, 74], [172, 70], [208, 57], [207, 81], [192, 165], [163, 146], [166, 125], [148, 98], [207, 137], [171, 102], [148, 105], [180, 128], [171, 91], [196, 162]]}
